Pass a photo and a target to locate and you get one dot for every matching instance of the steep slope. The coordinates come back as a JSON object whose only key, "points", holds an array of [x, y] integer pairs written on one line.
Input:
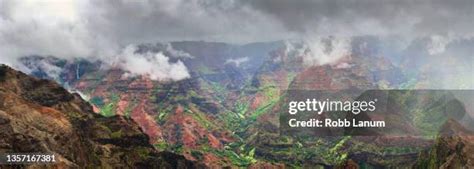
{"points": [[40, 116], [360, 71], [454, 148], [188, 117], [225, 113]]}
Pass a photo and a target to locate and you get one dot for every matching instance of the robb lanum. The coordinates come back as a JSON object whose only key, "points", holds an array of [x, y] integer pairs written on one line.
{"points": [[320, 106]]}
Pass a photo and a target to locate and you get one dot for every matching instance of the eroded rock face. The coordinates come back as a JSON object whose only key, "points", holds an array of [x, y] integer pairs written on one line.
{"points": [[40, 116], [453, 149]]}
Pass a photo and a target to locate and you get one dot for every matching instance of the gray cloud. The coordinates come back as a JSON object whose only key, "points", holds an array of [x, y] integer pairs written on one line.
{"points": [[101, 29], [264, 20], [169, 20], [419, 18]]}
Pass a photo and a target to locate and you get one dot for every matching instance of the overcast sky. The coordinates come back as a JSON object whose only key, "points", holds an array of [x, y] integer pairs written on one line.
{"points": [[81, 25], [82, 28]]}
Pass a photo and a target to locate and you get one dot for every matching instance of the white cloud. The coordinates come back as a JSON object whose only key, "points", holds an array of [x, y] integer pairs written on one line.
{"points": [[437, 44], [237, 61], [52, 27], [51, 70], [63, 29], [154, 65], [318, 50], [177, 53], [326, 50]]}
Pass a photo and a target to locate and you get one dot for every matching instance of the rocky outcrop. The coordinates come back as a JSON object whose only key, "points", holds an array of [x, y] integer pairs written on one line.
{"points": [[453, 149], [40, 116]]}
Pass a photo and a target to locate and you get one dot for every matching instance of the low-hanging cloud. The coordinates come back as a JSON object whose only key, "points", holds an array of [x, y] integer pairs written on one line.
{"points": [[318, 51], [157, 66], [438, 44], [49, 28], [237, 61], [325, 51]]}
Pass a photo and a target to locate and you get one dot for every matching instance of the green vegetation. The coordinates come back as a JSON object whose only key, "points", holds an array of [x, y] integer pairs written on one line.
{"points": [[240, 118], [272, 96], [336, 155], [143, 152], [201, 118], [161, 146], [161, 117], [116, 134], [244, 158], [219, 90], [108, 110], [241, 109], [262, 109], [114, 97]]}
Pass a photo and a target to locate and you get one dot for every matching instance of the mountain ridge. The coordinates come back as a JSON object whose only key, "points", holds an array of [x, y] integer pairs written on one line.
{"points": [[39, 115]]}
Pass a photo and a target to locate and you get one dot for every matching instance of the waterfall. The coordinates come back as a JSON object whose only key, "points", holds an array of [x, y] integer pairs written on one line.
{"points": [[77, 71]]}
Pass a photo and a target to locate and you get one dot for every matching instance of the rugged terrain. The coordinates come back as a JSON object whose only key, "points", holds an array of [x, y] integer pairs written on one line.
{"points": [[39, 115], [226, 113], [454, 148]]}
